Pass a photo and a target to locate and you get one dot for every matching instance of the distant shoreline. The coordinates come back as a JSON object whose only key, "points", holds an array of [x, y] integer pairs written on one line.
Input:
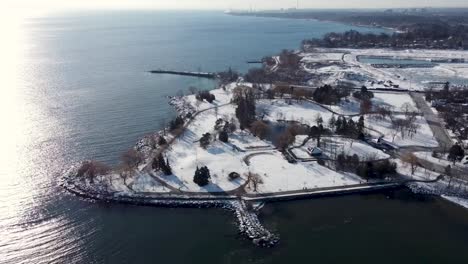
{"points": [[272, 15]]}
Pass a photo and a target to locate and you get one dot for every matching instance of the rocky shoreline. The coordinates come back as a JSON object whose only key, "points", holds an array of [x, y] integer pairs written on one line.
{"points": [[248, 222]]}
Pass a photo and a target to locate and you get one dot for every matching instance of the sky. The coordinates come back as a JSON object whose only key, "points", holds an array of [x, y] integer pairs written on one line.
{"points": [[226, 4]]}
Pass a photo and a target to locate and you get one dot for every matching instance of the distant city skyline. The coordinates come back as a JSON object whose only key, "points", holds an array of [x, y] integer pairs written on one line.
{"points": [[229, 4]]}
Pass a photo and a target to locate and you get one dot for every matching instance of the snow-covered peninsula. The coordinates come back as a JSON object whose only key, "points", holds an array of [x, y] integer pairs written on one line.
{"points": [[248, 142]]}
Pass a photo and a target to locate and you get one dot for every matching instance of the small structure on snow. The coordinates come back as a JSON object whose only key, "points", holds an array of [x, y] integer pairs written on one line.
{"points": [[315, 151]]}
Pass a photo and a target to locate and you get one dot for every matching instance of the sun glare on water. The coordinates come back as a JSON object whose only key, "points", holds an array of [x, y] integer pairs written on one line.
{"points": [[13, 132]]}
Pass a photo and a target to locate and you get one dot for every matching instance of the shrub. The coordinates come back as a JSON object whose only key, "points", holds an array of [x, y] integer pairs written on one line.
{"points": [[162, 141], [205, 140], [205, 95], [378, 170], [233, 175]]}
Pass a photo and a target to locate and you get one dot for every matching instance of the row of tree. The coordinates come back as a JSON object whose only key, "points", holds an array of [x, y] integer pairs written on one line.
{"points": [[347, 126], [329, 95], [430, 36]]}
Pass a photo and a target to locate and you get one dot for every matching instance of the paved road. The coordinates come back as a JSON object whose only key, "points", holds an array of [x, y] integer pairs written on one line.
{"points": [[436, 123]]}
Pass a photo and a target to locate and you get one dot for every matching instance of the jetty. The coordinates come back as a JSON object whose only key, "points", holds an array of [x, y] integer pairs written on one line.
{"points": [[250, 225], [208, 75]]}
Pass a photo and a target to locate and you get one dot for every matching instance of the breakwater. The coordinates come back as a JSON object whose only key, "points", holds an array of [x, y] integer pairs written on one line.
{"points": [[208, 75]]}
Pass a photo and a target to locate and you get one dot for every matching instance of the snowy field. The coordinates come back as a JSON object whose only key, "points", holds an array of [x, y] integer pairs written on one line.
{"points": [[322, 56], [304, 112], [424, 137], [394, 100], [278, 175], [351, 105], [332, 146], [223, 96]]}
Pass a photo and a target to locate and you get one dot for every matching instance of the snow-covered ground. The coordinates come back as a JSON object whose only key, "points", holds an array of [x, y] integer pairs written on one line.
{"points": [[332, 146], [304, 112], [343, 65], [137, 183], [186, 154], [278, 175], [351, 105], [424, 136], [322, 56], [394, 100], [442, 160], [221, 159], [223, 96]]}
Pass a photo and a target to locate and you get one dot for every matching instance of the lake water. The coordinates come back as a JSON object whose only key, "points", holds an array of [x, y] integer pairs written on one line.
{"points": [[75, 86]]}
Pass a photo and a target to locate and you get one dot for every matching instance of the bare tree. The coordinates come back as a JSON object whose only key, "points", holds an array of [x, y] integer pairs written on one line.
{"points": [[285, 140], [125, 174], [366, 106], [92, 169], [259, 129], [412, 161], [407, 108], [383, 112], [254, 179], [318, 119], [163, 124], [131, 158]]}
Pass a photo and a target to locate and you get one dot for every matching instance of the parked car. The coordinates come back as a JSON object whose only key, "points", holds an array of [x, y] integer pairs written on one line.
{"points": [[465, 160]]}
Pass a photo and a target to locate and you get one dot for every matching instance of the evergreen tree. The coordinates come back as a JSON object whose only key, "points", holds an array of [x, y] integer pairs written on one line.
{"points": [[456, 153], [202, 176], [245, 111], [360, 125], [352, 128], [160, 164], [176, 123], [332, 123], [223, 136], [339, 124]]}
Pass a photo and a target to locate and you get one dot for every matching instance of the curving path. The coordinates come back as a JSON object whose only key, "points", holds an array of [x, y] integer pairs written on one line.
{"points": [[247, 158]]}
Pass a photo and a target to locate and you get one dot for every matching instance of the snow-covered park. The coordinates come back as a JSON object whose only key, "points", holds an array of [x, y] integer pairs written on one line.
{"points": [[257, 160]]}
